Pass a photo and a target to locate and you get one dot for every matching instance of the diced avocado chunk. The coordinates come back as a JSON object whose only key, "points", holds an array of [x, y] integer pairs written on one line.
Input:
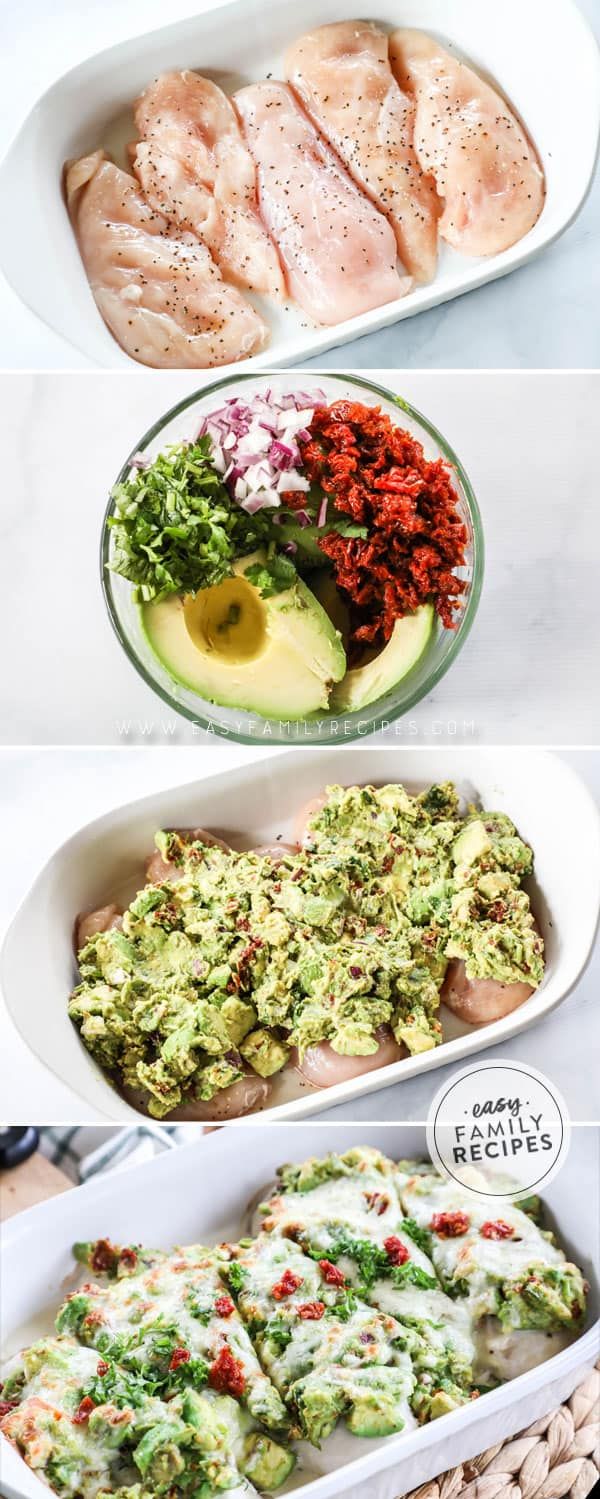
{"points": [[158, 1455], [72, 1313], [471, 843], [544, 1298], [239, 1017], [265, 1463], [264, 1053], [370, 1417], [319, 1405]]}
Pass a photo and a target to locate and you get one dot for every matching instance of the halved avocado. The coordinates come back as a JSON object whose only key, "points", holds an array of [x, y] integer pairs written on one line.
{"points": [[277, 656], [365, 684]]}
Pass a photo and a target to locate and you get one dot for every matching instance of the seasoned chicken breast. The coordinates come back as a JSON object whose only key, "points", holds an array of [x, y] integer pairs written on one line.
{"points": [[195, 169], [343, 76], [339, 252], [485, 168], [158, 290]]}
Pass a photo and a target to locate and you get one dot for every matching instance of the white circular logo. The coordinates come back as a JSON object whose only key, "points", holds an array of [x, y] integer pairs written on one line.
{"points": [[501, 1129]]}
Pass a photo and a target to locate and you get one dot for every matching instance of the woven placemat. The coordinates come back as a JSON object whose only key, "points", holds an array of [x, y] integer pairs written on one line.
{"points": [[556, 1458]]}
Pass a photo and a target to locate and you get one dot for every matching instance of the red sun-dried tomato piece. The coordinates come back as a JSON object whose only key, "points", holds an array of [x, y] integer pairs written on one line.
{"points": [[286, 1286], [396, 1251], [179, 1356], [104, 1256], [224, 1306], [496, 1230], [450, 1225], [311, 1311], [102, 1368], [227, 1374], [128, 1259], [331, 1274], [6, 1406], [84, 1411], [376, 1202]]}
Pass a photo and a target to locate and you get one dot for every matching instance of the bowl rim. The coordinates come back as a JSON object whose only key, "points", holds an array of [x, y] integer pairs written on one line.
{"points": [[381, 717]]}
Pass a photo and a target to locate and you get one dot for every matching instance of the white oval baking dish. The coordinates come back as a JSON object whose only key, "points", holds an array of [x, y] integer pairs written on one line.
{"points": [[200, 1192], [543, 57], [255, 804]]}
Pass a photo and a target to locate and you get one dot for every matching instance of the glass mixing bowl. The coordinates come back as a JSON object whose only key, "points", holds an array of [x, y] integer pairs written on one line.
{"points": [[239, 724]]}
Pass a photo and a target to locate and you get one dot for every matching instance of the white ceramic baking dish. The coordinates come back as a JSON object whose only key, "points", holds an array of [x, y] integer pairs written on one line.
{"points": [[543, 57], [255, 804], [200, 1192]]}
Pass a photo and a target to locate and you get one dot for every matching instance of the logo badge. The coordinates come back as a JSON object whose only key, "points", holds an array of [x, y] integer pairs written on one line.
{"points": [[501, 1129]]}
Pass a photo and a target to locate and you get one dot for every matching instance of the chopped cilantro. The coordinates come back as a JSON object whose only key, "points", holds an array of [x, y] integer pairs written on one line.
{"points": [[278, 1332], [274, 576], [176, 528], [344, 1307], [420, 1236], [236, 1276]]}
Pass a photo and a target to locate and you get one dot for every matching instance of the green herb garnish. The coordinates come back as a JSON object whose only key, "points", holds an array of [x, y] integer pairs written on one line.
{"points": [[236, 1276], [176, 528], [274, 576], [420, 1236]]}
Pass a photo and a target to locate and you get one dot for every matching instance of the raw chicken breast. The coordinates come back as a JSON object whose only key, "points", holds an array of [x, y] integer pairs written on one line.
{"points": [[338, 251], [343, 76], [158, 290], [485, 168], [194, 168]]}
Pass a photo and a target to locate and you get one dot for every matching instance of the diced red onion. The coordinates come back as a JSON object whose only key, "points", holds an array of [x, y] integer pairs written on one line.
{"points": [[139, 460], [256, 446], [322, 512]]}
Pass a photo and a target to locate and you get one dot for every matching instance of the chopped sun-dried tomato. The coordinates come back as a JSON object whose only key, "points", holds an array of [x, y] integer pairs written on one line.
{"points": [[179, 1356], [376, 1202], [128, 1259], [102, 1368], [227, 1374], [6, 1406], [396, 1251], [331, 1274], [450, 1225], [224, 1306], [289, 1282], [311, 1311], [93, 1319], [377, 474], [497, 1230], [104, 1256], [84, 1412]]}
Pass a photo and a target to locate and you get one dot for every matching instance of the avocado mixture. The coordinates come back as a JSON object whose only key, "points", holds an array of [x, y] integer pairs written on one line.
{"points": [[192, 1372], [236, 958]]}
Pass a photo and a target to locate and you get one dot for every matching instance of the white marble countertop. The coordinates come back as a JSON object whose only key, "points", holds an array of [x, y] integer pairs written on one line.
{"points": [[544, 316], [529, 444], [47, 794]]}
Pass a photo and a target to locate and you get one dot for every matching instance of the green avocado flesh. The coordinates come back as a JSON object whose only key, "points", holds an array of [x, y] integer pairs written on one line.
{"points": [[278, 656], [365, 684], [281, 656], [193, 1372]]}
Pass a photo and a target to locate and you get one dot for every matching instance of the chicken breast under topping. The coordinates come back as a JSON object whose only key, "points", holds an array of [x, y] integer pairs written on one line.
{"points": [[339, 252], [343, 76], [158, 290], [105, 919], [195, 169], [485, 168]]}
